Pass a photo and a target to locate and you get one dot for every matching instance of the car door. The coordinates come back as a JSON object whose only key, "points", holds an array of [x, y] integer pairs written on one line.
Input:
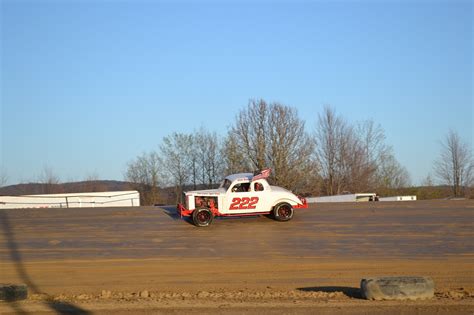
{"points": [[243, 198], [262, 192]]}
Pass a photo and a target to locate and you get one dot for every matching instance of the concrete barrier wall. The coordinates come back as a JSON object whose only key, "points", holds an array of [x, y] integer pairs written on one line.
{"points": [[93, 199], [360, 197], [357, 198], [398, 198]]}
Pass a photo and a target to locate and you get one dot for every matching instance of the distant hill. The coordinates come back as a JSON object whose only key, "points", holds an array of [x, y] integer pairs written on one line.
{"points": [[74, 187]]}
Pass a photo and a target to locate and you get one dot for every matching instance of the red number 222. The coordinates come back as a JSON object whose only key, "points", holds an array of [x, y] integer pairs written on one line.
{"points": [[243, 203]]}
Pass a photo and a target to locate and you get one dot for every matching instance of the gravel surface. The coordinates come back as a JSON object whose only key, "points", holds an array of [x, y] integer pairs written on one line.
{"points": [[147, 260]]}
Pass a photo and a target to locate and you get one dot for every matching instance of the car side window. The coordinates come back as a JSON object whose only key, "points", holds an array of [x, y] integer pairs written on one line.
{"points": [[244, 187], [258, 187]]}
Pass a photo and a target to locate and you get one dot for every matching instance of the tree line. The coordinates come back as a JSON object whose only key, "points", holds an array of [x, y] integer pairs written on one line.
{"points": [[337, 157]]}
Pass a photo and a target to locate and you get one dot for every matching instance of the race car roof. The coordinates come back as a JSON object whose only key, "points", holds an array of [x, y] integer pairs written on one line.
{"points": [[240, 176]]}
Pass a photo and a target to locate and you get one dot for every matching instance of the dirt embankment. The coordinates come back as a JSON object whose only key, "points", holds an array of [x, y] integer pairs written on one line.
{"points": [[146, 260]]}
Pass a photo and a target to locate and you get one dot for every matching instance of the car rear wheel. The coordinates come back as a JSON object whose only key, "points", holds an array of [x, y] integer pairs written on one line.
{"points": [[283, 212], [202, 217]]}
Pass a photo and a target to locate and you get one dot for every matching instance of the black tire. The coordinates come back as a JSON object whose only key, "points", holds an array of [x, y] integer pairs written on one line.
{"points": [[283, 212], [202, 217], [13, 292]]}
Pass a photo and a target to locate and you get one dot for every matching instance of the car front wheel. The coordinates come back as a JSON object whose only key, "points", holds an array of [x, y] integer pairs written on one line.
{"points": [[283, 212]]}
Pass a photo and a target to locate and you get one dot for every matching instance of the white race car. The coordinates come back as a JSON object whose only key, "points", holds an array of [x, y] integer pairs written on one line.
{"points": [[243, 194]]}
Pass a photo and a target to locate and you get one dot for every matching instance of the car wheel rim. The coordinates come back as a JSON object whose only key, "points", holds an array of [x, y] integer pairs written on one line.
{"points": [[203, 217], [284, 211]]}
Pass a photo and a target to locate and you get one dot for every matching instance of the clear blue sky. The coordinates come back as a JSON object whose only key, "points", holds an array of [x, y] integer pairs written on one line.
{"points": [[88, 85]]}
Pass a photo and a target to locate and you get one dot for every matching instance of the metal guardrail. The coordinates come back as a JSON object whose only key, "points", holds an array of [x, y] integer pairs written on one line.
{"points": [[71, 195], [70, 200]]}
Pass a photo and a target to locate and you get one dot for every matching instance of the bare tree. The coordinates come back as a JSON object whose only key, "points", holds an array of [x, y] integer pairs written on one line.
{"points": [[390, 173], [251, 133], [91, 183], [356, 169], [208, 148], [3, 178], [380, 169], [144, 173], [49, 180], [193, 160], [214, 164], [428, 181], [333, 146], [289, 149], [356, 158], [371, 138], [455, 164], [271, 135], [175, 151], [233, 158], [93, 176]]}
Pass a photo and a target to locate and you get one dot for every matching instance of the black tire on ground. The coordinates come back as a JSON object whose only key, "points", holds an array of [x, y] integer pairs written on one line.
{"points": [[397, 288], [202, 217], [13, 292], [283, 212]]}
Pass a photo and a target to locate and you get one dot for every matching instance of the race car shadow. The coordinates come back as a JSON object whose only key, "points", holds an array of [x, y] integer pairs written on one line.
{"points": [[171, 212], [354, 293], [60, 307]]}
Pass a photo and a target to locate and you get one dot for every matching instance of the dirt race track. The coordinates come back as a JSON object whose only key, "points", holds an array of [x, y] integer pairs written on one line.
{"points": [[148, 261]]}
